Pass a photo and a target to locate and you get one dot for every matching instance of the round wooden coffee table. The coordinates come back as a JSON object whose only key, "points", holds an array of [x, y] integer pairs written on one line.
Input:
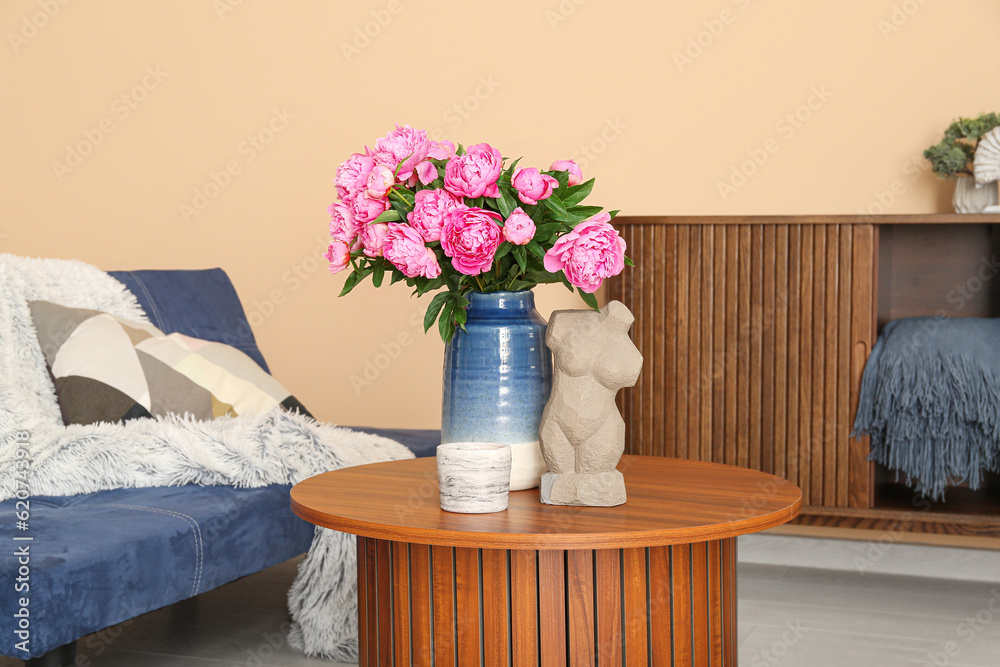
{"points": [[654, 578]]}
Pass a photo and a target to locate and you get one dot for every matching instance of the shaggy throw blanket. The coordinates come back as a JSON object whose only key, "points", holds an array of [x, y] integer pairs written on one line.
{"points": [[930, 400], [248, 451]]}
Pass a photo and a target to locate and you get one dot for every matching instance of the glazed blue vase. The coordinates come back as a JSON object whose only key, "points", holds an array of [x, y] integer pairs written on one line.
{"points": [[497, 377]]}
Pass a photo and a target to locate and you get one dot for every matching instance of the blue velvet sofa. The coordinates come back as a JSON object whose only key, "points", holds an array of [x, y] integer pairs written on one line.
{"points": [[102, 558]]}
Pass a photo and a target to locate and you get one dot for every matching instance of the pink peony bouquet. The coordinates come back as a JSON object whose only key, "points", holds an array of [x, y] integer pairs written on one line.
{"points": [[430, 215]]}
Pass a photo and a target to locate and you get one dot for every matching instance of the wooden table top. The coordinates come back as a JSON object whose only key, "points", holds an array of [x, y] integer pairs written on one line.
{"points": [[670, 501]]}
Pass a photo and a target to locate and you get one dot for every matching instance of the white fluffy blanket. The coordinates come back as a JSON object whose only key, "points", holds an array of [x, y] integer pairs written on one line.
{"points": [[249, 451]]}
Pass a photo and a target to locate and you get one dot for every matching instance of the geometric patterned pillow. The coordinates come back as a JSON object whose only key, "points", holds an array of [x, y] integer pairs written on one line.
{"points": [[107, 370]]}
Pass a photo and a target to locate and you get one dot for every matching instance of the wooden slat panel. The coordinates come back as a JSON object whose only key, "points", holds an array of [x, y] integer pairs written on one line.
{"points": [[401, 603], [467, 605], [793, 437], [730, 612], [781, 349], [495, 622], [844, 352], [384, 587], [830, 366], [731, 361], [609, 606], [444, 605], [661, 613], [552, 608], [634, 591], [363, 631], [683, 343], [743, 350], [707, 327], [694, 347], [805, 361], [657, 350], [818, 368], [580, 606], [768, 374], [669, 271], [420, 578], [680, 565], [756, 338], [715, 600], [645, 328], [371, 589], [719, 352], [700, 604], [524, 608], [862, 335]]}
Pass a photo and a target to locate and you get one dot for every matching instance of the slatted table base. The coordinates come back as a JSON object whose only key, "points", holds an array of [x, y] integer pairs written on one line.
{"points": [[433, 605]]}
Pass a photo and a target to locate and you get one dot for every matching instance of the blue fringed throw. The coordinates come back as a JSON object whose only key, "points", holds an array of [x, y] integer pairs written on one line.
{"points": [[930, 400]]}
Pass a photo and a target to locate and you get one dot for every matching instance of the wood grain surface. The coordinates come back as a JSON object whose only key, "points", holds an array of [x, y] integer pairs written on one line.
{"points": [[670, 501]]}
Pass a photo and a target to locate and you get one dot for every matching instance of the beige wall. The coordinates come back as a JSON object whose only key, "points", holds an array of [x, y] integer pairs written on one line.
{"points": [[538, 79]]}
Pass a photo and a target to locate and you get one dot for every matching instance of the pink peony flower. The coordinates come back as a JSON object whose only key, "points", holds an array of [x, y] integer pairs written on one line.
{"points": [[339, 256], [590, 253], [352, 176], [470, 237], [406, 146], [343, 226], [474, 174], [429, 210], [575, 175], [441, 150], [404, 247], [533, 186], [380, 179], [366, 209], [519, 227], [373, 238], [427, 172]]}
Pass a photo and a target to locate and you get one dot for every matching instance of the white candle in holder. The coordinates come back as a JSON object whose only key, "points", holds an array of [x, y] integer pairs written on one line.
{"points": [[474, 477]]}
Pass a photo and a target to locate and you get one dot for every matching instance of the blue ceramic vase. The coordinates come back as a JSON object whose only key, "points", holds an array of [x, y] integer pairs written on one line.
{"points": [[497, 377]]}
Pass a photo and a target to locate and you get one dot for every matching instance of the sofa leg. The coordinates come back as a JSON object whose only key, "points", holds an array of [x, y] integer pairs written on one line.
{"points": [[64, 656]]}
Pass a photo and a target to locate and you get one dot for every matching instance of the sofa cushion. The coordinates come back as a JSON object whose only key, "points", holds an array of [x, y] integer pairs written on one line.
{"points": [[100, 559], [107, 369], [200, 303]]}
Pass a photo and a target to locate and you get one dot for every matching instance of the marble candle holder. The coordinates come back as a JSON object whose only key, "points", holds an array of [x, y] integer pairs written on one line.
{"points": [[474, 477]]}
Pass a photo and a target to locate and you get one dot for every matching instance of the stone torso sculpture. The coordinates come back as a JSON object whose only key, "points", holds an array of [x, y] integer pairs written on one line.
{"points": [[582, 433]]}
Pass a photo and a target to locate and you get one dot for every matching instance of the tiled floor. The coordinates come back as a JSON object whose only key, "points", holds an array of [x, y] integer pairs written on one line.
{"points": [[794, 616]]}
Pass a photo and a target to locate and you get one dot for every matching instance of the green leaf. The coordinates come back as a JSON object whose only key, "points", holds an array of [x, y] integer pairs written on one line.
{"points": [[577, 193], [351, 282], [397, 275], [507, 203], [535, 248], [585, 211], [502, 251], [555, 205], [391, 215], [509, 172], [520, 254], [378, 274], [434, 308], [588, 299], [446, 325], [460, 150], [460, 315], [565, 281]]}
